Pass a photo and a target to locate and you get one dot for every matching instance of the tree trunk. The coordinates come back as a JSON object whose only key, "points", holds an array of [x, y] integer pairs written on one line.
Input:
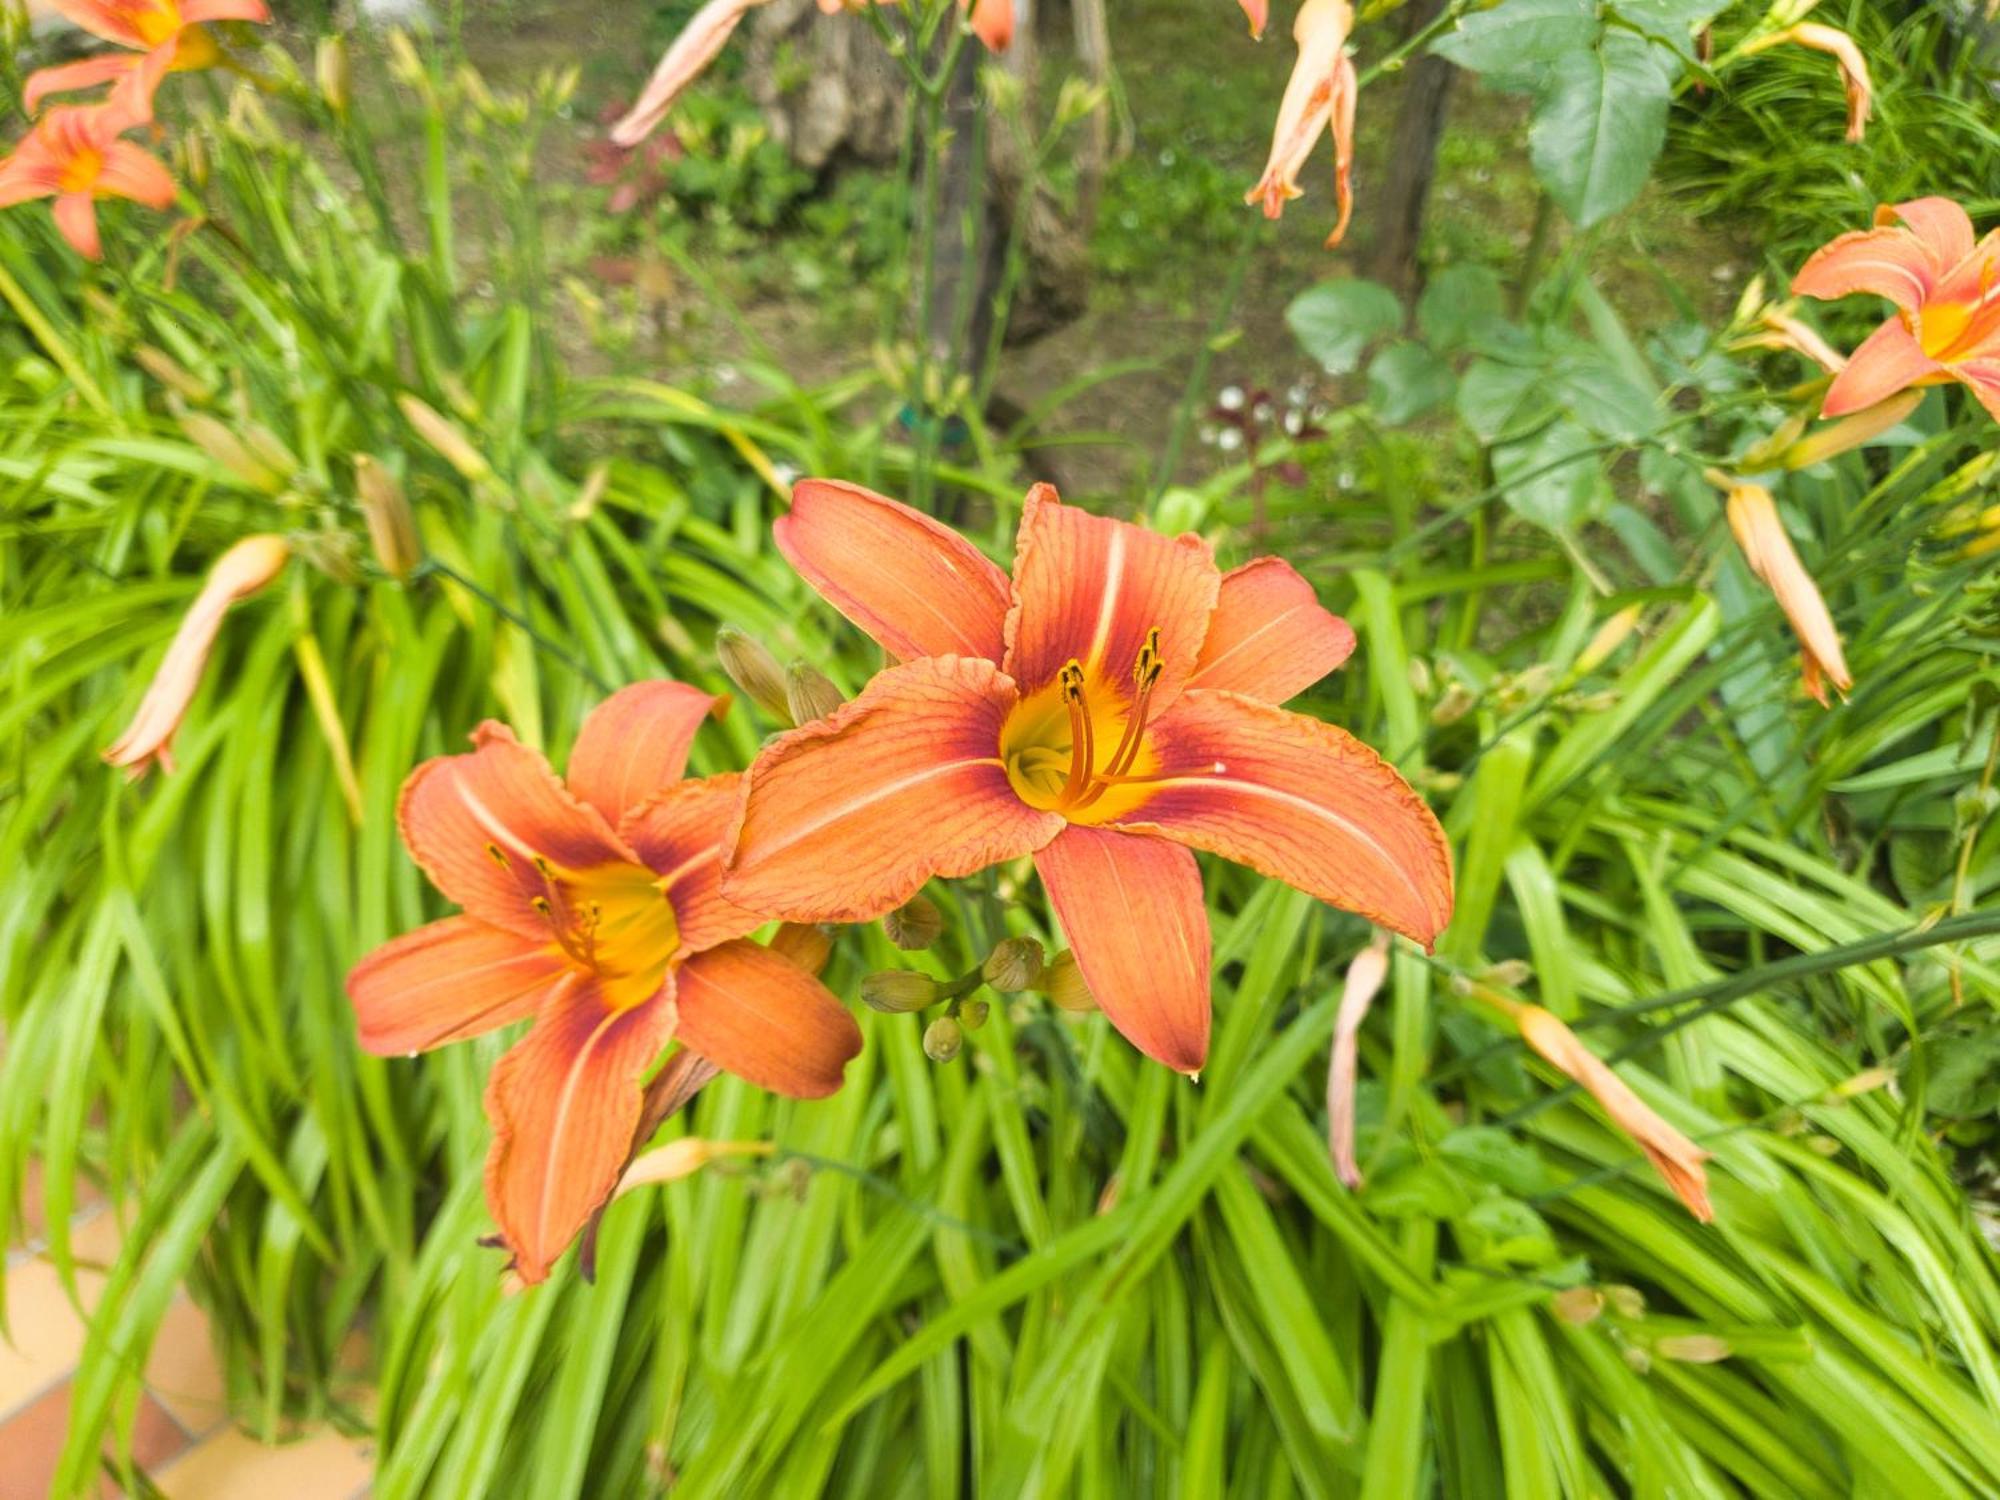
{"points": [[825, 85], [1413, 146]]}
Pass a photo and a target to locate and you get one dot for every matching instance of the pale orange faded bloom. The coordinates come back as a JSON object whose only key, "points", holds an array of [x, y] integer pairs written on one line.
{"points": [[1777, 328], [74, 156], [1109, 708], [1945, 286], [159, 35], [1753, 517], [701, 41], [1364, 981], [1842, 49], [240, 572], [593, 905], [1678, 1159], [1258, 14], [1319, 96]]}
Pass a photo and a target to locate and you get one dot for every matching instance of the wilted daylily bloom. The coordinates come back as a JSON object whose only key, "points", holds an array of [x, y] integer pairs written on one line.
{"points": [[1921, 255], [237, 574], [1678, 1159], [1753, 517], [1320, 94], [593, 906], [1108, 709], [1258, 14], [1841, 48], [160, 35], [701, 41], [74, 156], [1357, 993]]}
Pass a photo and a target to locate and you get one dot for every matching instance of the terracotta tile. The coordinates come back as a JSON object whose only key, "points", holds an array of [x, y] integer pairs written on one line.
{"points": [[32, 1440], [47, 1334], [233, 1466], [183, 1370]]}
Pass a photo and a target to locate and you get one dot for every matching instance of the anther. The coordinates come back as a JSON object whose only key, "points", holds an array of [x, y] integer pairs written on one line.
{"points": [[498, 855]]}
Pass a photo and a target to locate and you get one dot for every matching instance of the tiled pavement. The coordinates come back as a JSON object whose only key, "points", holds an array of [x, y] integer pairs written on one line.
{"points": [[182, 1438]]}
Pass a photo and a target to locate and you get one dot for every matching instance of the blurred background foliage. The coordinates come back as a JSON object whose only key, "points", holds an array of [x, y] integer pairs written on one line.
{"points": [[1044, 1268]]}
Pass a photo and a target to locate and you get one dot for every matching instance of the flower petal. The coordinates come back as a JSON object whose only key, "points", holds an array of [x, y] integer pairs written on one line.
{"points": [[564, 1104], [196, 11], [1269, 637], [1258, 14], [992, 21], [1132, 911], [1889, 360], [686, 58], [101, 18], [483, 825], [86, 73], [1302, 802], [1892, 263], [76, 217], [678, 835], [131, 173], [1767, 547], [912, 583], [448, 981], [635, 743], [758, 1015], [847, 817], [1090, 589], [1982, 378], [1944, 228]]}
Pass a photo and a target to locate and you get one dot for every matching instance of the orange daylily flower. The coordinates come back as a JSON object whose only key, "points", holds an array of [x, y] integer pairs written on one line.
{"points": [[1677, 1159], [74, 156], [1753, 517], [592, 905], [701, 41], [240, 572], [1922, 256], [1841, 48], [1108, 709], [1320, 95], [159, 35], [1258, 14]]}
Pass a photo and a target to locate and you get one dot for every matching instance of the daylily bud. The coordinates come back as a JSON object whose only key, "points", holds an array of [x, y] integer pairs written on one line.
{"points": [[1693, 1348], [914, 925], [809, 693], [444, 435], [1609, 637], [238, 573], [682, 1158], [1578, 1305], [1849, 432], [750, 665], [805, 944], [392, 529], [164, 368], [942, 1039], [590, 491], [899, 991], [1422, 682], [1678, 1159], [1013, 965], [1626, 1301], [1853, 66], [1364, 980], [973, 1014], [1509, 974], [330, 71], [1454, 704], [1767, 547], [1062, 981], [230, 451]]}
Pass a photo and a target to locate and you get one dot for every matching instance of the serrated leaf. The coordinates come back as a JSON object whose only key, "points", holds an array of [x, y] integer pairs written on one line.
{"points": [[1335, 321], [1599, 123]]}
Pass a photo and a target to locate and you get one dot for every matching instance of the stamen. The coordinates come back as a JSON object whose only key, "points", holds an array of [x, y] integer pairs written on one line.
{"points": [[1082, 742], [1146, 672]]}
